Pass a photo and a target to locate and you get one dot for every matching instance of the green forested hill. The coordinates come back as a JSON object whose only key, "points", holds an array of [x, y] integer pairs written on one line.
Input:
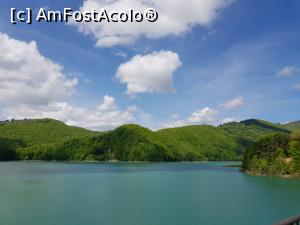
{"points": [[19, 135], [126, 143], [48, 139], [200, 143], [136, 143], [40, 131], [133, 142]]}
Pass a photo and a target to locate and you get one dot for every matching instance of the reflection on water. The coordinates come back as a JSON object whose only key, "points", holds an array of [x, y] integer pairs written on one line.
{"points": [[57, 167]]}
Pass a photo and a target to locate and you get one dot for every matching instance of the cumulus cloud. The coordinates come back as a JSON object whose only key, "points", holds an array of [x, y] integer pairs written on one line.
{"points": [[28, 77], [149, 73], [108, 103], [33, 86], [287, 71], [234, 103], [206, 115], [175, 18], [228, 120], [176, 123], [105, 117]]}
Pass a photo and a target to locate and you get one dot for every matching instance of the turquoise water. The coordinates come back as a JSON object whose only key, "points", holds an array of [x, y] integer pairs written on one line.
{"points": [[40, 193]]}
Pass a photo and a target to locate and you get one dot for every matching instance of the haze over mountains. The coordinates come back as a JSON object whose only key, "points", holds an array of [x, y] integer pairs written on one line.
{"points": [[48, 139]]}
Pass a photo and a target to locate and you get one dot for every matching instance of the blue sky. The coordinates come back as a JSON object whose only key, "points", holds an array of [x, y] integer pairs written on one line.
{"points": [[242, 63]]}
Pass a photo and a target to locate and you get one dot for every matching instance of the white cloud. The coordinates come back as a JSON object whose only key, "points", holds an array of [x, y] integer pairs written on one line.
{"points": [[105, 118], [205, 115], [297, 86], [287, 71], [175, 18], [28, 77], [234, 103], [114, 40], [32, 86], [149, 73], [108, 103], [228, 120], [176, 123], [200, 116]]}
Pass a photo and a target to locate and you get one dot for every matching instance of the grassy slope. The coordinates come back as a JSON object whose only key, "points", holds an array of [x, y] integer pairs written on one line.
{"points": [[292, 125]]}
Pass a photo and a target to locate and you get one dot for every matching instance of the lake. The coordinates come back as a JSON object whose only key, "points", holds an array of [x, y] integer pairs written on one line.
{"points": [[44, 193]]}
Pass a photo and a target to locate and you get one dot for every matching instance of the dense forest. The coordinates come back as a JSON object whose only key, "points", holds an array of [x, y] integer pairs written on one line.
{"points": [[274, 155], [47, 139], [53, 140]]}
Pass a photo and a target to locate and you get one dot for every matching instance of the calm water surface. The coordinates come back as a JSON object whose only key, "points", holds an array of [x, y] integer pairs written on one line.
{"points": [[40, 193]]}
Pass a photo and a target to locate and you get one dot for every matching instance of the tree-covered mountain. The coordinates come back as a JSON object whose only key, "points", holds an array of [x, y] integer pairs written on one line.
{"points": [[47, 139], [200, 142], [18, 135], [136, 143]]}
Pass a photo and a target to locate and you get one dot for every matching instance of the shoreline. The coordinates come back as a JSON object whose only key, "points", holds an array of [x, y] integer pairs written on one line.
{"points": [[284, 176], [119, 161]]}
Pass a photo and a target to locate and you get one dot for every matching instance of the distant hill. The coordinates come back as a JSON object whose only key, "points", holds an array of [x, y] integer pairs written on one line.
{"points": [[47, 139], [248, 131], [292, 125], [266, 125]]}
